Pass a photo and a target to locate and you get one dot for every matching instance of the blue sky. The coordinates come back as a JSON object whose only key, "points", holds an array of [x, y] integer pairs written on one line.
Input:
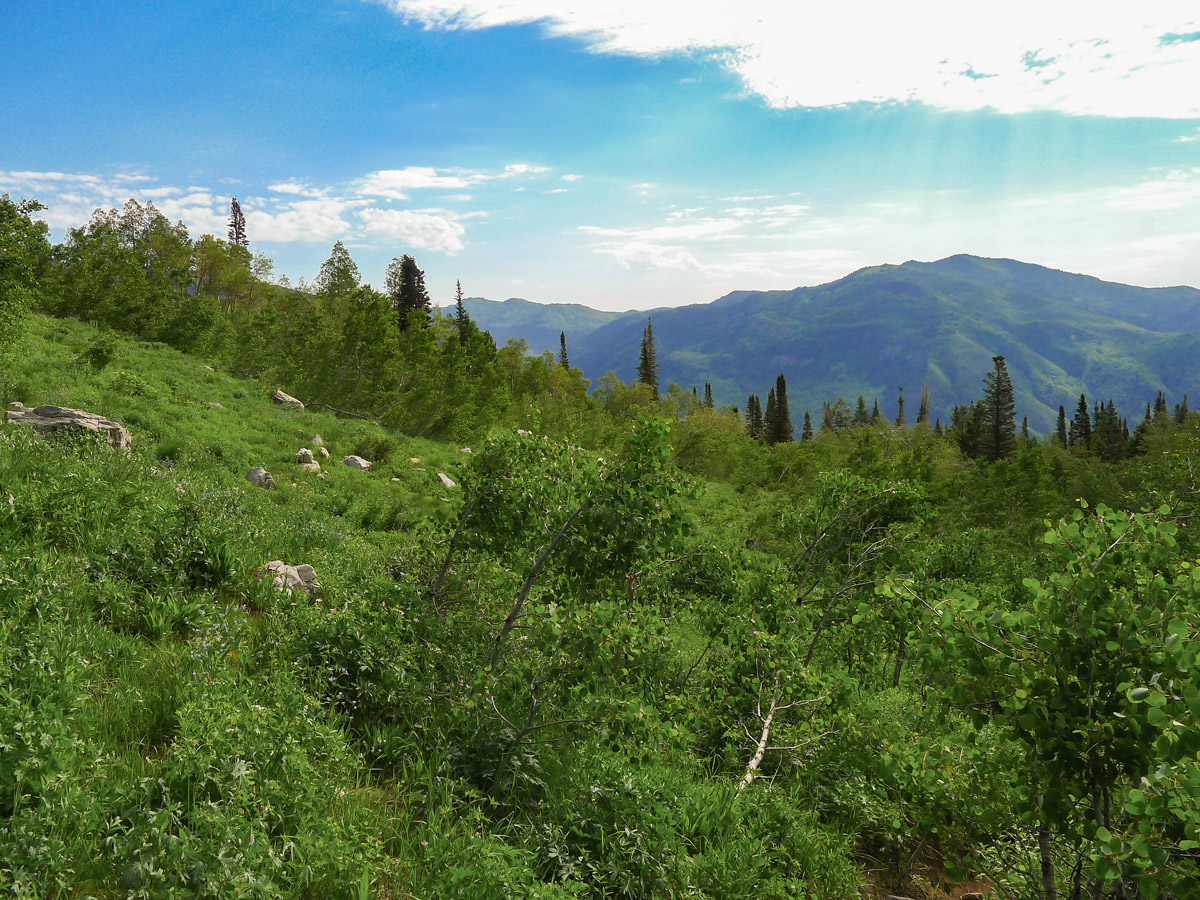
{"points": [[624, 155]]}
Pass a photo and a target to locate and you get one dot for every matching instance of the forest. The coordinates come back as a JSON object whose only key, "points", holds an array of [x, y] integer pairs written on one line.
{"points": [[570, 640]]}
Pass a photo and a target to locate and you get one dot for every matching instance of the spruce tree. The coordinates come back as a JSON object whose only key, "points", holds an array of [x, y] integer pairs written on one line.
{"points": [[923, 409], [648, 360], [998, 413], [769, 420], [806, 432], [1060, 429], [1160, 407], [783, 419], [861, 416], [901, 421], [708, 397], [405, 287], [461, 319], [237, 224], [1025, 428], [1081, 425], [1181, 411], [875, 414], [754, 417], [562, 350]]}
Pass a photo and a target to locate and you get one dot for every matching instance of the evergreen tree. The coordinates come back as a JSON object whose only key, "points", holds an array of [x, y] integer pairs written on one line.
{"points": [[562, 350], [1081, 425], [1025, 429], [923, 409], [1181, 411], [461, 319], [708, 397], [648, 360], [783, 418], [875, 414], [998, 413], [1108, 437], [769, 420], [237, 224], [826, 416], [901, 421], [1060, 429], [806, 433], [861, 416], [937, 427], [840, 417], [405, 285], [1160, 407], [337, 279], [754, 417]]}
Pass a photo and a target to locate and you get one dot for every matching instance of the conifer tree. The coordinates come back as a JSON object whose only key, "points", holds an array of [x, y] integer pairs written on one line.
{"points": [[562, 350], [1181, 411], [769, 420], [338, 277], [998, 413], [708, 397], [1025, 429], [901, 421], [237, 224], [875, 414], [826, 416], [648, 360], [861, 416], [783, 419], [1060, 429], [937, 427], [405, 287], [754, 417], [461, 319], [1160, 407], [806, 433], [923, 409], [1081, 425]]}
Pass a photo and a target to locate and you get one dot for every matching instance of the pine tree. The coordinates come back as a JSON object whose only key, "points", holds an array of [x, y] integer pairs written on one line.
{"points": [[237, 224], [998, 413], [1081, 425], [461, 319], [875, 414], [783, 418], [937, 427], [754, 417], [1060, 430], [1181, 411], [1160, 407], [901, 421], [769, 420], [923, 409], [562, 350], [861, 416], [1025, 429], [648, 360], [708, 397], [806, 432], [405, 286]]}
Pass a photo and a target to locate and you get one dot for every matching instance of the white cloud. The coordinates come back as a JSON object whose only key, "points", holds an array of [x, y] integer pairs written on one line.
{"points": [[419, 230], [298, 188], [1108, 59], [306, 221], [571, 177], [395, 184], [1188, 138]]}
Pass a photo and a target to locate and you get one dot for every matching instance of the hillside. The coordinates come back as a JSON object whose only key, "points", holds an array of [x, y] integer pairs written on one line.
{"points": [[887, 327]]}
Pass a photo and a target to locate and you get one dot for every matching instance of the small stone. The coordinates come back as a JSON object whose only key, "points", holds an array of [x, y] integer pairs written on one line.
{"points": [[215, 405], [414, 460], [357, 462], [445, 479], [395, 479], [316, 441], [465, 450], [523, 433], [324, 454], [260, 477], [16, 404], [290, 578]]}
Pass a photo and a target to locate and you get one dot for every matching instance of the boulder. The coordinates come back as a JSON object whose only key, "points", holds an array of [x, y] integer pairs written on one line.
{"points": [[215, 405], [316, 441], [445, 479], [16, 404], [286, 399], [311, 466], [52, 419], [357, 462], [324, 453], [304, 455], [260, 477], [291, 578]]}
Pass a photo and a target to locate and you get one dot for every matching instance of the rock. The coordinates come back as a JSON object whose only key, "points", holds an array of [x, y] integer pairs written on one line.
{"points": [[324, 453], [52, 419], [286, 399], [316, 441], [414, 460], [210, 368], [445, 479], [357, 462], [395, 479], [16, 404], [323, 475], [311, 466], [260, 477], [290, 578], [215, 405], [465, 450], [304, 455], [523, 433]]}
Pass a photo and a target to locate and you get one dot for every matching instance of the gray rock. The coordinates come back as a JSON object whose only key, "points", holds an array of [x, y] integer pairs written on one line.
{"points": [[465, 450], [52, 419], [414, 460], [311, 466], [304, 455], [260, 477], [291, 578], [445, 479], [16, 404], [316, 441], [357, 462], [286, 399], [215, 405], [523, 433], [324, 453]]}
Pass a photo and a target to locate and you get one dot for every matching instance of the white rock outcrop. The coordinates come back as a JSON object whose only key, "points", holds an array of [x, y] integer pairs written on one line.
{"points": [[260, 477], [286, 399], [357, 462], [52, 419], [291, 578]]}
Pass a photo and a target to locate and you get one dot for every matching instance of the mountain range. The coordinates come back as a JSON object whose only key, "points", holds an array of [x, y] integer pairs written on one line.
{"points": [[889, 327]]}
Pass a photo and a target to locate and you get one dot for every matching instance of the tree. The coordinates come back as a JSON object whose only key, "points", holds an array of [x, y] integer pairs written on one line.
{"points": [[405, 286], [806, 433], [861, 416], [901, 421], [708, 397], [754, 417], [237, 225], [998, 414], [770, 417], [24, 250], [1181, 411], [1060, 429], [876, 415], [923, 409], [462, 320], [781, 428], [648, 360], [337, 279], [1081, 425], [562, 350]]}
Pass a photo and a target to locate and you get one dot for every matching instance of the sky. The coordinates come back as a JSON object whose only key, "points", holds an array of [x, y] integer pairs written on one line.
{"points": [[629, 154]]}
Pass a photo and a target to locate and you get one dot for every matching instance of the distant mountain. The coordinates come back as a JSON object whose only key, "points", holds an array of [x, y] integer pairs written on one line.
{"points": [[887, 327]]}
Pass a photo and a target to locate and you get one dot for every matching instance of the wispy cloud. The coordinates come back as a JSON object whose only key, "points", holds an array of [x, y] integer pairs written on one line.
{"points": [[397, 184], [1120, 59], [419, 230]]}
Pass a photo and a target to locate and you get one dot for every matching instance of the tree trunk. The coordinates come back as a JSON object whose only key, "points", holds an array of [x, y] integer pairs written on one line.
{"points": [[1049, 892]]}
